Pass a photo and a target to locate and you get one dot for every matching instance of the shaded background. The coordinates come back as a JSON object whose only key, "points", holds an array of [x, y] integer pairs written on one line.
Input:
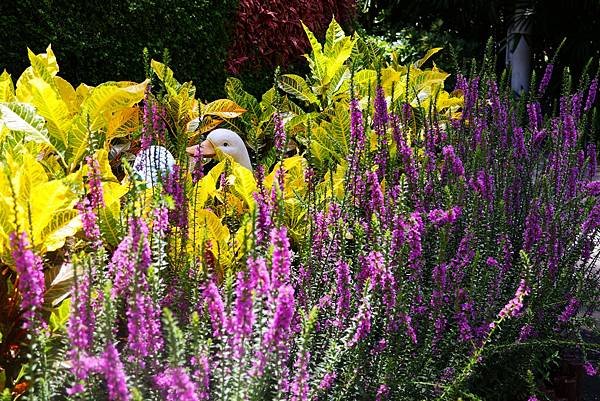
{"points": [[97, 41]]}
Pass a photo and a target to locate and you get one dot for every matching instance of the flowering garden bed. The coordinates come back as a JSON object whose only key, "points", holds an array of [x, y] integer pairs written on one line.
{"points": [[393, 241]]}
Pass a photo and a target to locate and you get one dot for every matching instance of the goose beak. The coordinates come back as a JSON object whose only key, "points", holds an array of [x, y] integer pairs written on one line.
{"points": [[206, 149]]}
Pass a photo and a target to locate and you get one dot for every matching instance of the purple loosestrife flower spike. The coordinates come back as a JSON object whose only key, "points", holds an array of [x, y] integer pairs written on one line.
{"points": [[452, 163], [593, 162], [81, 324], [357, 141], [198, 170], [89, 221], [143, 327], [592, 222], [132, 255], [280, 270], [174, 186], [114, 373], [263, 218], [514, 306], [216, 308], [300, 384], [570, 311], [441, 217], [176, 385], [545, 79], [146, 140], [533, 228], [279, 136], [259, 273], [414, 236], [31, 278], [243, 320], [380, 123], [590, 370], [363, 321], [526, 332], [376, 201], [279, 329], [591, 97], [327, 381], [343, 289], [383, 391], [161, 220]]}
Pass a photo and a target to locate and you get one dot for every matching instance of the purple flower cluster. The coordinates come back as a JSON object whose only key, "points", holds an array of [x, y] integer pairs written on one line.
{"points": [[176, 385], [143, 327], [279, 137], [514, 306], [569, 311], [441, 217], [31, 278], [132, 256]]}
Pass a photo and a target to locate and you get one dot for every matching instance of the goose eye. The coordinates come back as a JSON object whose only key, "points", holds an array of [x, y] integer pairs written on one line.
{"points": [[225, 144]]}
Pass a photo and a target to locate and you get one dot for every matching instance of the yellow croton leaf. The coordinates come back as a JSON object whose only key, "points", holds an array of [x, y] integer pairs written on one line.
{"points": [[44, 208], [205, 227], [7, 89], [294, 182]]}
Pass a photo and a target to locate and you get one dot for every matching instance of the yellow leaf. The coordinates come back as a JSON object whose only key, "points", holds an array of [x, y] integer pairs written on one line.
{"points": [[7, 90], [123, 123], [67, 93], [223, 108], [64, 224], [50, 106], [207, 186], [244, 184]]}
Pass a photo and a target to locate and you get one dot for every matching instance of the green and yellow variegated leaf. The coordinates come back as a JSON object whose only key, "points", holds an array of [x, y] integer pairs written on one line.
{"points": [[419, 63], [334, 34], [297, 86], [223, 108], [294, 179], [182, 106], [82, 92], [205, 227], [314, 43], [295, 212], [165, 74], [50, 105], [207, 186], [22, 118], [235, 91], [341, 52], [7, 88], [244, 184], [108, 98], [67, 94], [22, 90], [111, 229], [123, 123], [64, 224]]}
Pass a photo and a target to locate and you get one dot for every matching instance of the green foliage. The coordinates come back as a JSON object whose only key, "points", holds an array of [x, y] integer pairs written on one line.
{"points": [[102, 41]]}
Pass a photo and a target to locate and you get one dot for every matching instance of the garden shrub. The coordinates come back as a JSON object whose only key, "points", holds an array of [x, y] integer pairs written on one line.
{"points": [[270, 34], [101, 41]]}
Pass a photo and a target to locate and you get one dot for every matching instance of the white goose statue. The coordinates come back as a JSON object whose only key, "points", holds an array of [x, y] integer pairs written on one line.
{"points": [[157, 161], [227, 142]]}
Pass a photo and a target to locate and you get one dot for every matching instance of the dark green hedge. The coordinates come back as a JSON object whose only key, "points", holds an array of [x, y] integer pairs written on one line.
{"points": [[103, 40]]}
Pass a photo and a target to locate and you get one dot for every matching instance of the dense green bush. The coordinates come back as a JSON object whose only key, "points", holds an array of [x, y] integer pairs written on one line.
{"points": [[100, 41]]}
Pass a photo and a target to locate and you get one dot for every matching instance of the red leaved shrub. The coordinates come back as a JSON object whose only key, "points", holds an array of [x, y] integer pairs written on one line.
{"points": [[269, 33]]}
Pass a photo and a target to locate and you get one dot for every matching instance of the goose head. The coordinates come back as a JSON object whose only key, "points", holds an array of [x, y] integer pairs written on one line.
{"points": [[227, 142]]}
